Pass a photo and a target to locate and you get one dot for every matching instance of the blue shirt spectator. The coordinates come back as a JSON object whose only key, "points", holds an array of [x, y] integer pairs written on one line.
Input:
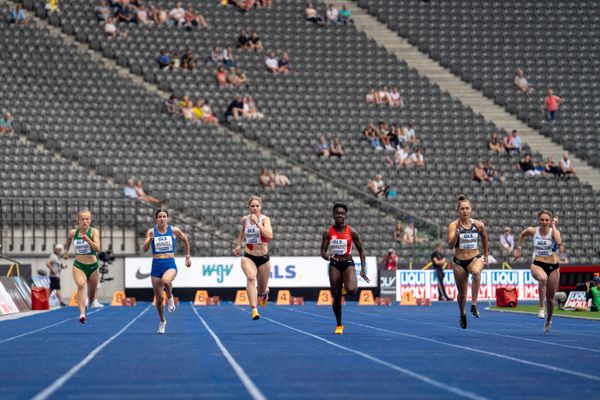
{"points": [[17, 16], [129, 190], [164, 60]]}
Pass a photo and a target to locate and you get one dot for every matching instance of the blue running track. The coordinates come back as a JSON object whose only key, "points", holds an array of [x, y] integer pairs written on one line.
{"points": [[291, 353]]}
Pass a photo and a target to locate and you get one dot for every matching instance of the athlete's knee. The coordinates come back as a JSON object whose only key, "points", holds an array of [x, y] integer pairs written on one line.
{"points": [[542, 281], [80, 285], [165, 282], [476, 275], [351, 290]]}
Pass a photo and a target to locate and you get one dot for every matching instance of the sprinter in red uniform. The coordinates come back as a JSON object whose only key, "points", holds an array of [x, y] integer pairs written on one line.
{"points": [[336, 248]]}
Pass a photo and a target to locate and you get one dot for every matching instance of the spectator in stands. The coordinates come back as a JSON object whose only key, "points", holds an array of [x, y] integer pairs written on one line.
{"points": [[125, 14], [245, 5], [592, 296], [129, 190], [102, 11], [266, 179], [265, 3], [521, 82], [479, 174], [192, 20], [526, 165], [395, 99], [141, 195], [280, 179], [197, 111], [336, 148], [228, 58], [332, 15], [438, 262], [551, 104], [377, 187], [492, 173], [271, 62], [235, 108], [208, 115], [411, 135], [372, 97], [345, 15], [494, 143], [384, 95], [249, 110], [143, 16], [322, 147], [243, 40], [221, 77], [370, 134], [283, 64], [164, 60], [188, 60], [410, 233], [310, 14], [18, 16], [187, 108], [398, 235], [171, 105], [51, 6], [255, 42], [110, 29], [6, 125], [390, 260], [507, 243], [177, 15], [417, 159], [566, 166], [216, 56], [402, 156], [236, 77], [512, 143], [175, 63], [54, 264], [383, 135], [160, 16], [550, 168]]}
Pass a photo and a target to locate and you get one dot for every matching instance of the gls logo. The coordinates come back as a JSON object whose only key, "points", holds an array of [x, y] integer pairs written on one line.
{"points": [[221, 270], [277, 272]]}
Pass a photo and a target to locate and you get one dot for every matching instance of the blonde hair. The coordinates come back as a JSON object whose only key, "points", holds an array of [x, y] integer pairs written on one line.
{"points": [[83, 212], [462, 198], [254, 197]]}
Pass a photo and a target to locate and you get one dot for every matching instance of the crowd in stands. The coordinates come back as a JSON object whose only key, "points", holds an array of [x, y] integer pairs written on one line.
{"points": [[272, 180], [242, 107], [529, 167], [487, 173], [134, 190], [174, 61], [18, 16], [6, 123], [231, 77], [200, 111], [249, 42], [276, 65], [386, 137], [385, 96], [246, 5], [324, 149], [332, 16], [135, 12]]}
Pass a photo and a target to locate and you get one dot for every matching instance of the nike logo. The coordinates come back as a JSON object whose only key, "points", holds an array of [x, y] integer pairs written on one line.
{"points": [[139, 275]]}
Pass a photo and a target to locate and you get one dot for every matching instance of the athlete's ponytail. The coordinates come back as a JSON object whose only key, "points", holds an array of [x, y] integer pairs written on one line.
{"points": [[462, 198], [547, 212]]}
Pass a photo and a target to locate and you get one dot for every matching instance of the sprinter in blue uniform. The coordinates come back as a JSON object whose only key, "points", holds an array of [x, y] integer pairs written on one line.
{"points": [[163, 239]]}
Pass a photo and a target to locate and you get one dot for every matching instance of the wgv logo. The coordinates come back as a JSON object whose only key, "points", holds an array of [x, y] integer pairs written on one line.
{"points": [[221, 270], [278, 272]]}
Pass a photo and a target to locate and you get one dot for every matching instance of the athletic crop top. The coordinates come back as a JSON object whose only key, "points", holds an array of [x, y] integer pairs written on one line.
{"points": [[543, 245], [468, 239], [163, 243], [81, 246], [252, 233], [340, 244]]}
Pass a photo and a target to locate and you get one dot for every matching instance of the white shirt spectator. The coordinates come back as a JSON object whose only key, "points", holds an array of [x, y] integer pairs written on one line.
{"points": [[521, 81], [401, 156], [416, 158], [110, 27], [271, 63], [178, 14], [332, 14], [410, 133], [130, 192], [507, 241]]}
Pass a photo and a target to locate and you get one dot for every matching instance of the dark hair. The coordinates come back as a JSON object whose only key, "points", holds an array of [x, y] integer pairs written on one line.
{"points": [[159, 211], [460, 199], [342, 205], [547, 212]]}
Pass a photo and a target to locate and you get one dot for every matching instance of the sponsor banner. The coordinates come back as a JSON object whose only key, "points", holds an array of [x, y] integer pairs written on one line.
{"points": [[7, 305], [387, 284], [226, 272], [423, 283], [576, 299]]}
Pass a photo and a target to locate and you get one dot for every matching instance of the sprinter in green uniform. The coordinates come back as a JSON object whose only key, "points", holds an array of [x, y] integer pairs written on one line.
{"points": [[86, 241]]}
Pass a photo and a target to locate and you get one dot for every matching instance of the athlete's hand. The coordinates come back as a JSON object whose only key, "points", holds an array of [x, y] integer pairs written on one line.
{"points": [[485, 260], [66, 255], [363, 274], [237, 251], [150, 234], [333, 259], [86, 238], [253, 219], [517, 255], [554, 221], [188, 261]]}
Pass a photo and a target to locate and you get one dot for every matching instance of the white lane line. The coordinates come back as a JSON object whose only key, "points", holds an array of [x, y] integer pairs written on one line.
{"points": [[415, 375], [586, 349], [43, 328], [252, 389], [488, 353], [57, 384]]}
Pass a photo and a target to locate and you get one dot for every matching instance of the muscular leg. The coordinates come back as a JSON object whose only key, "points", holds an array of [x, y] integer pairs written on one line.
{"points": [[350, 281], [335, 282], [262, 279], [461, 277], [475, 269], [553, 281], [158, 295], [92, 286], [80, 279], [540, 275], [167, 281], [250, 271]]}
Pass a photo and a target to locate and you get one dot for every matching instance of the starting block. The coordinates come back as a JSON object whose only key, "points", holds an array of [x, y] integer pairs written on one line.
{"points": [[366, 298], [386, 301], [408, 298], [118, 299], [128, 302], [423, 302], [297, 301], [241, 298], [325, 298], [201, 298], [214, 301], [284, 298]]}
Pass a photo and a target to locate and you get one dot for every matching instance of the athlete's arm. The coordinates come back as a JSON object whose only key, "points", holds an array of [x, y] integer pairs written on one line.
{"points": [[70, 236], [526, 232], [94, 241], [452, 234], [265, 228], [238, 243], [361, 253], [556, 232], [149, 238], [484, 241], [186, 245], [324, 245]]}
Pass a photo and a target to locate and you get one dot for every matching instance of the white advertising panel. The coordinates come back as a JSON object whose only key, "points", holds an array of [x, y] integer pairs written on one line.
{"points": [[226, 272]]}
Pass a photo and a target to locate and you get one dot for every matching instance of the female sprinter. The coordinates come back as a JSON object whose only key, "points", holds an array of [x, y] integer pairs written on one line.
{"points": [[86, 241], [463, 236], [545, 268], [162, 239], [336, 248], [257, 232]]}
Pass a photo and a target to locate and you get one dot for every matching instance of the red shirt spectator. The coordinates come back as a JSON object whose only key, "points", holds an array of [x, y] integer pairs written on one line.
{"points": [[391, 260]]}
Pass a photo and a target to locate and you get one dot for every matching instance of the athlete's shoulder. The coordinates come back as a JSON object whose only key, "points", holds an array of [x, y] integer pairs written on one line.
{"points": [[479, 224], [95, 232], [244, 218], [72, 232]]}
